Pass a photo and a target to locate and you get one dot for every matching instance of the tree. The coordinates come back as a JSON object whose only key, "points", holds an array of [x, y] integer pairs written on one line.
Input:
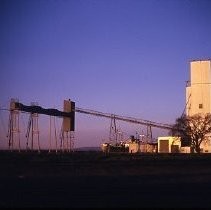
{"points": [[193, 129]]}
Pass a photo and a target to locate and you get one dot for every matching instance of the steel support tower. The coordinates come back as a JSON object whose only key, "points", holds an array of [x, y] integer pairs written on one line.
{"points": [[13, 133]]}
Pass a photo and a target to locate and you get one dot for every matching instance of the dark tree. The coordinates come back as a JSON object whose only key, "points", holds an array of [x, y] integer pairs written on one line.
{"points": [[193, 129]]}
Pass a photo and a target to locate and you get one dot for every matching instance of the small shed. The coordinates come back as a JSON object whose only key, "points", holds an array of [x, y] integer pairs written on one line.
{"points": [[169, 144], [134, 147]]}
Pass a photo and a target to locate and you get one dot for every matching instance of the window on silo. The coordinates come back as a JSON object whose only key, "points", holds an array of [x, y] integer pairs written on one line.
{"points": [[200, 106]]}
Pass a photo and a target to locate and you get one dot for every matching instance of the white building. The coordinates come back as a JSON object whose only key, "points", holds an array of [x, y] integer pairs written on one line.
{"points": [[169, 144], [198, 94]]}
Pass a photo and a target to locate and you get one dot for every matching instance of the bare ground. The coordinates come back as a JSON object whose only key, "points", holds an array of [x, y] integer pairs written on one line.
{"points": [[93, 179]]}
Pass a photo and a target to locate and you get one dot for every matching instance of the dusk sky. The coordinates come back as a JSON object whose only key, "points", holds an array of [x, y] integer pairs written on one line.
{"points": [[127, 57]]}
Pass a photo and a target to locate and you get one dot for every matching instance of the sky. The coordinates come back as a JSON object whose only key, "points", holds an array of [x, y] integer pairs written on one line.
{"points": [[126, 57]]}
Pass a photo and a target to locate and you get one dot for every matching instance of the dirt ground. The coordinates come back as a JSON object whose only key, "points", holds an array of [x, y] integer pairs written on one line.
{"points": [[93, 179]]}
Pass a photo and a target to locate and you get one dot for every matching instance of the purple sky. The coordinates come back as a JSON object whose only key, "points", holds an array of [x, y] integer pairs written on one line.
{"points": [[128, 57]]}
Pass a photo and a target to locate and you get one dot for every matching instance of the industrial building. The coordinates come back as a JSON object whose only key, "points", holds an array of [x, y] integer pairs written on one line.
{"points": [[169, 144], [198, 94], [148, 147], [198, 89], [198, 101]]}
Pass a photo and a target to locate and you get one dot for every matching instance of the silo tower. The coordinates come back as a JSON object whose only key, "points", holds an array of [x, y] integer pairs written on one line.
{"points": [[198, 89], [198, 94]]}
